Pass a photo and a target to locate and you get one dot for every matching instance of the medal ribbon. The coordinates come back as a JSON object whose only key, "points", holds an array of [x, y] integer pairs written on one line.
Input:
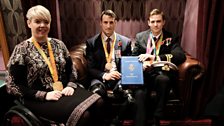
{"points": [[155, 47], [51, 64], [108, 55], [149, 47]]}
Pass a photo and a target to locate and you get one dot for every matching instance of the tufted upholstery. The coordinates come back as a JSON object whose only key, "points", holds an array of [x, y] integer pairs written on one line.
{"points": [[178, 105]]}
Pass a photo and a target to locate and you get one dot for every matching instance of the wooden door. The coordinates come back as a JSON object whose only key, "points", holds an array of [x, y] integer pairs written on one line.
{"points": [[3, 45]]}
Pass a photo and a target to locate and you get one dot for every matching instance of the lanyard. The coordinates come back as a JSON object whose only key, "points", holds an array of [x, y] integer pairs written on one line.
{"points": [[51, 64], [149, 47], [108, 55], [155, 47]]}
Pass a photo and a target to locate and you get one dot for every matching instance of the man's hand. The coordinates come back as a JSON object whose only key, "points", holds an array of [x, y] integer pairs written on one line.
{"points": [[114, 75], [53, 95], [147, 65], [144, 57]]}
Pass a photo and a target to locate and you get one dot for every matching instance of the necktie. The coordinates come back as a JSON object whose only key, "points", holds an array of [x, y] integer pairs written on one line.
{"points": [[155, 39], [108, 44]]}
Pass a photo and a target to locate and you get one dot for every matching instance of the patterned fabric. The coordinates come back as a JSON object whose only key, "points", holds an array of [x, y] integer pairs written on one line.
{"points": [[27, 61], [78, 111], [29, 78]]}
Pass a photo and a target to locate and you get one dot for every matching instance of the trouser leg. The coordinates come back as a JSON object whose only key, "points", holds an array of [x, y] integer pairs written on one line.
{"points": [[140, 107], [161, 85]]}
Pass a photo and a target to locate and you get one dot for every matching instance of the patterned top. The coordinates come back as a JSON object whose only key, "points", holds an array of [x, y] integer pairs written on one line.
{"points": [[28, 74]]}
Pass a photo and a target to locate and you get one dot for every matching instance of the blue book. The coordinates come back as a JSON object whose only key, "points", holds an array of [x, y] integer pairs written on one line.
{"points": [[131, 70]]}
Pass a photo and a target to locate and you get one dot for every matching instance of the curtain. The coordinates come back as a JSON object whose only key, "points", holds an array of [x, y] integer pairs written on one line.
{"points": [[126, 9], [80, 18], [210, 48]]}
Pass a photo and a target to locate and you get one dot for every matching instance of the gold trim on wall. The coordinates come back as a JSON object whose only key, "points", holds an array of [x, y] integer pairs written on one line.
{"points": [[3, 41]]}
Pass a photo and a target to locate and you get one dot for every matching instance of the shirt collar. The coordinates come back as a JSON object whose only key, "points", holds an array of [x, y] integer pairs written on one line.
{"points": [[105, 37], [157, 35]]}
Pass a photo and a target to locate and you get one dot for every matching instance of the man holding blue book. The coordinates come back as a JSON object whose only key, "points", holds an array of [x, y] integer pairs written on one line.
{"points": [[153, 46]]}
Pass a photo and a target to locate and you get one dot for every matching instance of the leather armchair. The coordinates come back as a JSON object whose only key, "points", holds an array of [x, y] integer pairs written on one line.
{"points": [[179, 100], [179, 103]]}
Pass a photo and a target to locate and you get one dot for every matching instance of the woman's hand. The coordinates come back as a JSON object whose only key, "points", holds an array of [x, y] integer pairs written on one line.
{"points": [[68, 91], [53, 95]]}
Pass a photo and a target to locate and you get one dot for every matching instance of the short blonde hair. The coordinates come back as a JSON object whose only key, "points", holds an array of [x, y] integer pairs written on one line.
{"points": [[39, 12], [156, 12]]}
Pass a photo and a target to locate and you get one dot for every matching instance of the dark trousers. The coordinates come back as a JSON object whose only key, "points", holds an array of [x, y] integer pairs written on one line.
{"points": [[158, 83], [161, 87], [140, 107]]}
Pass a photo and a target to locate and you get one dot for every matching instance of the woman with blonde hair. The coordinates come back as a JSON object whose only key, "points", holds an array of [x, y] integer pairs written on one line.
{"points": [[41, 74]]}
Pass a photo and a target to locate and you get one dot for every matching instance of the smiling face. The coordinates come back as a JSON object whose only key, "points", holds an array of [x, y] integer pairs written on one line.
{"points": [[39, 28], [39, 20]]}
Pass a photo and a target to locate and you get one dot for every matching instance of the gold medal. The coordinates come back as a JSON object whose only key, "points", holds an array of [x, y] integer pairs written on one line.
{"points": [[58, 86], [108, 66]]}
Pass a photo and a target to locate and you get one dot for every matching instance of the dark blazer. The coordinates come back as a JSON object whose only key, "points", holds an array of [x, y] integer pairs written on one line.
{"points": [[168, 47], [96, 57]]}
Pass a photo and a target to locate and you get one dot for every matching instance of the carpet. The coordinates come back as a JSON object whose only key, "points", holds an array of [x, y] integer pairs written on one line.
{"points": [[186, 122]]}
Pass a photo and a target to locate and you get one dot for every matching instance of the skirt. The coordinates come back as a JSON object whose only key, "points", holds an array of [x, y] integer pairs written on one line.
{"points": [[67, 110]]}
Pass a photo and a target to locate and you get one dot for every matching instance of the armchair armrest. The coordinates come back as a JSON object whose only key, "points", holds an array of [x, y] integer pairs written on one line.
{"points": [[190, 72], [189, 64], [77, 54]]}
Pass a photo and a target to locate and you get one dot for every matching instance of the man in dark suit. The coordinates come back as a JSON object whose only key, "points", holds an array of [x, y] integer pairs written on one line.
{"points": [[154, 45], [103, 54]]}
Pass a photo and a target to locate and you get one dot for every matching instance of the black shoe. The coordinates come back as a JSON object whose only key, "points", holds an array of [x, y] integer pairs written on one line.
{"points": [[99, 89]]}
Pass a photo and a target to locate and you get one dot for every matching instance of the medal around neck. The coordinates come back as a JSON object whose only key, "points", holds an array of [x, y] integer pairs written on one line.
{"points": [[108, 66], [58, 86]]}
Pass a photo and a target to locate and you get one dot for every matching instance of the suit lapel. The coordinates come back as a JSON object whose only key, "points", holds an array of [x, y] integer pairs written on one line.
{"points": [[116, 50], [145, 38], [116, 42], [100, 49]]}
